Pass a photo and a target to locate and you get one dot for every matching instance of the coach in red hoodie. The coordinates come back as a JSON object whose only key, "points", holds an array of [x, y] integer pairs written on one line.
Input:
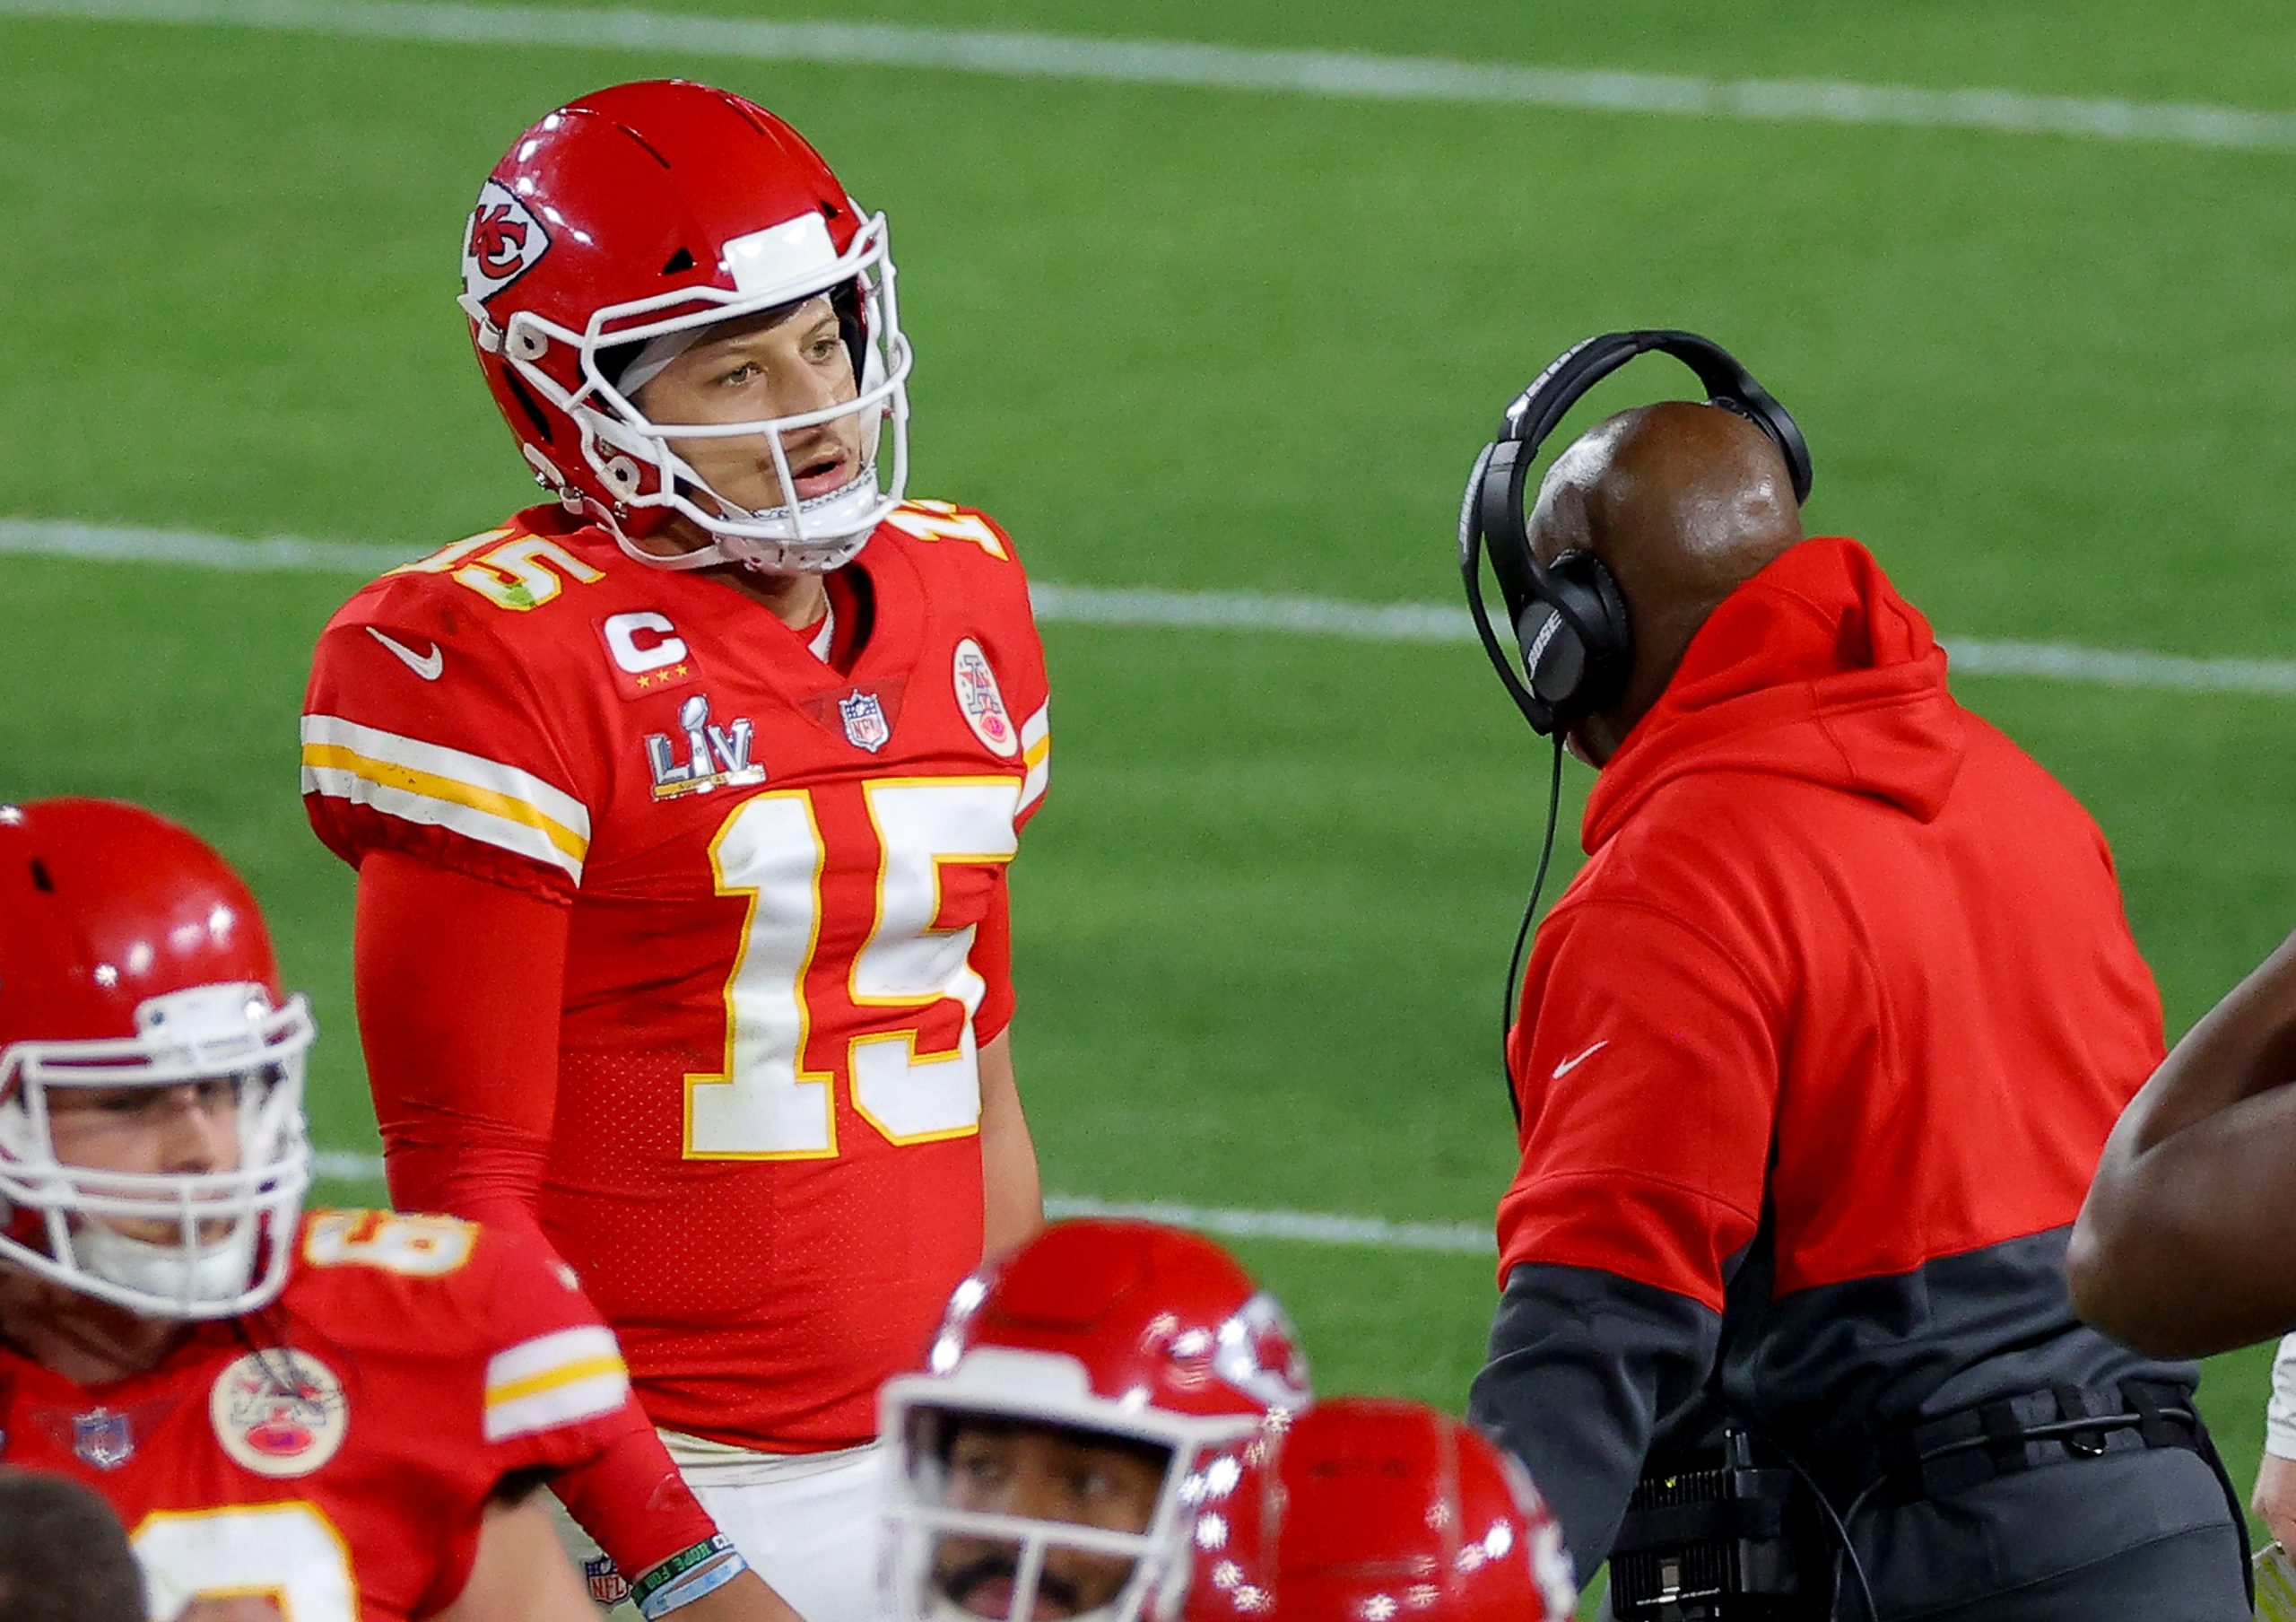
{"points": [[1816, 1058]]}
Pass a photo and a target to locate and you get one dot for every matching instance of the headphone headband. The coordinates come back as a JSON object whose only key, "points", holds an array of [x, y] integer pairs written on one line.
{"points": [[1571, 622], [1536, 411]]}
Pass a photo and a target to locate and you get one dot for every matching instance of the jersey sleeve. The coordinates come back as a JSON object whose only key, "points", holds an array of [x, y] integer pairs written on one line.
{"points": [[1032, 700], [423, 733], [1033, 693], [554, 1390], [1647, 1068], [1022, 662], [557, 1398], [992, 960]]}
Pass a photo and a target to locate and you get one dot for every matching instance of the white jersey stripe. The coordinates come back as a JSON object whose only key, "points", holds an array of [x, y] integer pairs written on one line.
{"points": [[477, 772], [548, 1354], [589, 1397], [471, 822]]}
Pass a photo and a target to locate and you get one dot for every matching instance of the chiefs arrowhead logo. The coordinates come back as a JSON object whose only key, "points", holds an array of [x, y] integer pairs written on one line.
{"points": [[502, 243]]}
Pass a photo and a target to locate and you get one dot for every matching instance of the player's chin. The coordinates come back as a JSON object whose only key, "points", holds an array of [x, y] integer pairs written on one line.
{"points": [[155, 1231]]}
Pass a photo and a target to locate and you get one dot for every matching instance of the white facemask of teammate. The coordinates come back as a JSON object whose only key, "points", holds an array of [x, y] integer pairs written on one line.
{"points": [[233, 1230]]}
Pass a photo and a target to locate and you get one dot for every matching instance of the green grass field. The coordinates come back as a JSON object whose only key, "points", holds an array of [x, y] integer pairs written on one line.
{"points": [[1203, 339]]}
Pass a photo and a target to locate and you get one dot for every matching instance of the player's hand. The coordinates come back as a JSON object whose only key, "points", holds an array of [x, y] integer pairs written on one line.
{"points": [[746, 1599], [2275, 1500]]}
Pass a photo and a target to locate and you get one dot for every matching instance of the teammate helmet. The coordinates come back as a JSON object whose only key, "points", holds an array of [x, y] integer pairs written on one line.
{"points": [[131, 956], [1366, 1509], [608, 236], [1120, 1337]]}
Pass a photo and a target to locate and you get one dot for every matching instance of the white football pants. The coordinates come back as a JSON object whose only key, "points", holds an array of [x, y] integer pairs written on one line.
{"points": [[808, 1523]]}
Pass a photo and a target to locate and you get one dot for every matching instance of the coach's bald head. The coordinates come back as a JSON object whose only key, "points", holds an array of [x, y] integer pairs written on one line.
{"points": [[1685, 503]]}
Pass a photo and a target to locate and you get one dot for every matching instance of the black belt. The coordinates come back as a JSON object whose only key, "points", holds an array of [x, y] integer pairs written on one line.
{"points": [[2033, 1429]]}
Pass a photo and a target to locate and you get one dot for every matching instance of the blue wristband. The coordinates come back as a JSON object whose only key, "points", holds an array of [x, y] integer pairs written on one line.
{"points": [[687, 1588]]}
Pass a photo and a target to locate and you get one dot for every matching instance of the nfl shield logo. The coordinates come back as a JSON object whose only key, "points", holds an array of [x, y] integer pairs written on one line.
{"points": [[103, 1439], [606, 1583], [865, 720]]}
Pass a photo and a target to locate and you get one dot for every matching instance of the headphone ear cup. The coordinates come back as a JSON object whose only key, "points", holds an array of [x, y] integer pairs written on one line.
{"points": [[1554, 657], [1610, 660], [1577, 642]]}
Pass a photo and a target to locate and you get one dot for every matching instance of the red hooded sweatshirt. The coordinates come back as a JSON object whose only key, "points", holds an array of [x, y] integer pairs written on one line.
{"points": [[1816, 1059]]}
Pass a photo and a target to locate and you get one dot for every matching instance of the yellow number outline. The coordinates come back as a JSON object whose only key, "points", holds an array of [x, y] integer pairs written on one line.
{"points": [[827, 1080], [824, 1079], [392, 1242], [511, 571]]}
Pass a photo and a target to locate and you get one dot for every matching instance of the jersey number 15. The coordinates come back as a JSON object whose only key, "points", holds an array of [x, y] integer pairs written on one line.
{"points": [[765, 1105]]}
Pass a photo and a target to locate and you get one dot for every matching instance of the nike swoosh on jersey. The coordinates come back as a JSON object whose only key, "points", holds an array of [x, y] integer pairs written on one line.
{"points": [[1576, 1060], [428, 666]]}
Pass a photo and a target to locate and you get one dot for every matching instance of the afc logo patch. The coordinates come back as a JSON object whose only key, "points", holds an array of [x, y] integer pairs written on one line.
{"points": [[503, 242], [279, 1412], [982, 705]]}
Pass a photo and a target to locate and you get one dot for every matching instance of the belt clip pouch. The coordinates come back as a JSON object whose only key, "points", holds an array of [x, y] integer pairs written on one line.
{"points": [[1718, 1537]]}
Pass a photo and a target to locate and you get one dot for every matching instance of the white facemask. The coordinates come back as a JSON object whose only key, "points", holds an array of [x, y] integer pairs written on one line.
{"points": [[205, 1034]]}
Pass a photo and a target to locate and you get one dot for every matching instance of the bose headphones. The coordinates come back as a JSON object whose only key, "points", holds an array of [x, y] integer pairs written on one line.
{"points": [[1571, 620]]}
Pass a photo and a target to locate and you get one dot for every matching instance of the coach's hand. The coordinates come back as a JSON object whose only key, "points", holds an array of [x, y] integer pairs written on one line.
{"points": [[2273, 1502]]}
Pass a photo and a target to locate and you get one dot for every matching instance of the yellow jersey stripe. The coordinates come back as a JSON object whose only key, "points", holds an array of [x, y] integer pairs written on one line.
{"points": [[550, 1380], [429, 785]]}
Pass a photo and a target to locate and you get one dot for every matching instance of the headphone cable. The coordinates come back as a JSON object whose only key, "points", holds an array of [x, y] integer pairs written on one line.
{"points": [[1507, 992]]}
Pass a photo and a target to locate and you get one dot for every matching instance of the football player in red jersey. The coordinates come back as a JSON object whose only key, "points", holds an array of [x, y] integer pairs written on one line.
{"points": [[342, 1414], [681, 805], [1366, 1508], [1077, 1397]]}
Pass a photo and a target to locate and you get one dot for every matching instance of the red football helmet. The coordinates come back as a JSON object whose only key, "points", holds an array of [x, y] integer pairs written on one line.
{"points": [[1368, 1510], [131, 955], [1146, 1344], [606, 240]]}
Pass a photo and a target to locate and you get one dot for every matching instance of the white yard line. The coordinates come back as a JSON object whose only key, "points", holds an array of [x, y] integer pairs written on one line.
{"points": [[1306, 1227], [1143, 608], [1343, 75]]}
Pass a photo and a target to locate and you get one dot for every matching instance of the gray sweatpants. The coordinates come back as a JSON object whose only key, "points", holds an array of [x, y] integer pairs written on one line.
{"points": [[2143, 1536]]}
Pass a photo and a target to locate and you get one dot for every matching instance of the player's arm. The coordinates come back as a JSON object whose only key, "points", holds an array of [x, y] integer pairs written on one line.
{"points": [[1647, 1074], [433, 765], [556, 1405], [1011, 1198], [522, 1575], [2184, 1247], [1012, 1195], [459, 982]]}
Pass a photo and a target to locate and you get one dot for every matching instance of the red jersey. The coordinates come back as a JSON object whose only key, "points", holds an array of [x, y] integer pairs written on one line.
{"points": [[337, 1449], [788, 936]]}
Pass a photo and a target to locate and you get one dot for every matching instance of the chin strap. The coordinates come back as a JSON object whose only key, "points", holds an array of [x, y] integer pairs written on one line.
{"points": [[212, 1272]]}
